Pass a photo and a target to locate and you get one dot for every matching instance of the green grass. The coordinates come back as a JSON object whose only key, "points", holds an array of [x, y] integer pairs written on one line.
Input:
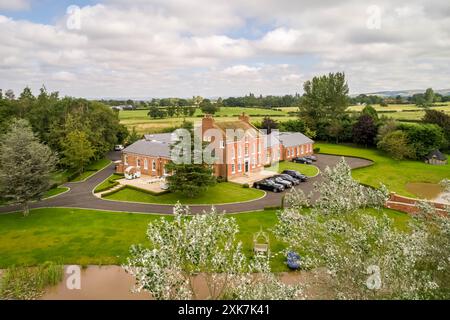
{"points": [[306, 169], [83, 237], [55, 191], [225, 192], [109, 182], [394, 174], [24, 283], [91, 169]]}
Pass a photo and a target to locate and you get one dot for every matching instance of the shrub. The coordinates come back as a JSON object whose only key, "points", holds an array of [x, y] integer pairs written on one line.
{"points": [[245, 185], [221, 179], [396, 145], [423, 138], [316, 149]]}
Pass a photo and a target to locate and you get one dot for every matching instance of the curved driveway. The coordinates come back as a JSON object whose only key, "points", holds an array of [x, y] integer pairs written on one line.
{"points": [[80, 194]]}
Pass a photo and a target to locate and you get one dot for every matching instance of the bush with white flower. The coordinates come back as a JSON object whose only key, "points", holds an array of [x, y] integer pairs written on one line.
{"points": [[201, 246]]}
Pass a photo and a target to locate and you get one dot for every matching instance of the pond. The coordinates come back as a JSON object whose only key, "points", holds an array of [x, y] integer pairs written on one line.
{"points": [[429, 191], [113, 283]]}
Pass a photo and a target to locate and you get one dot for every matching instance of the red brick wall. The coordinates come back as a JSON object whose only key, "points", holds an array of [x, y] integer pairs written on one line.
{"points": [[132, 160], [408, 205]]}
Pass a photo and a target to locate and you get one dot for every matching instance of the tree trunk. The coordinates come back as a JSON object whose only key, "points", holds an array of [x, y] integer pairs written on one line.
{"points": [[26, 209]]}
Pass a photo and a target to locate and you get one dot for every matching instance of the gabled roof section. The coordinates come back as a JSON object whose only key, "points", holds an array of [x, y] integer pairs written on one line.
{"points": [[149, 148], [291, 139], [436, 154]]}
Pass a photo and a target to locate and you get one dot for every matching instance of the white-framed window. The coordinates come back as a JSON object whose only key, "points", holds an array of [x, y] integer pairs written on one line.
{"points": [[239, 151], [288, 152], [222, 144], [138, 162], [301, 149], [253, 148], [253, 161], [239, 166], [246, 149], [233, 152], [153, 165], [233, 168], [145, 164], [125, 160]]}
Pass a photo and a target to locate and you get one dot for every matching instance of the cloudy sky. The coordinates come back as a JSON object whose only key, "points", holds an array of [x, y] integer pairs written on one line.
{"points": [[160, 48]]}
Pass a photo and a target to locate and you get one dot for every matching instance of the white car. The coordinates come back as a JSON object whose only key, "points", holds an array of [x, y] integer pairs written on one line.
{"points": [[118, 147]]}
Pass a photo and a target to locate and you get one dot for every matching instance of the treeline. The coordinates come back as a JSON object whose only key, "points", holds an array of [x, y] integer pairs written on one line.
{"points": [[77, 130], [425, 99], [251, 100]]}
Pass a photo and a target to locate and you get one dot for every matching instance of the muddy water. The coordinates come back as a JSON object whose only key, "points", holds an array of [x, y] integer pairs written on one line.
{"points": [[428, 191], [98, 283], [113, 283]]}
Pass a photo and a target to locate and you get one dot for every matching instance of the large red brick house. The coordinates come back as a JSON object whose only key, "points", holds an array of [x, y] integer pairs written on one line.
{"points": [[245, 152]]}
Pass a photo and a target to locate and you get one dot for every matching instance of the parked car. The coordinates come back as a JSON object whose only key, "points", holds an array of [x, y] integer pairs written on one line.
{"points": [[268, 185], [311, 157], [118, 147], [296, 175], [301, 160], [280, 180], [287, 177]]}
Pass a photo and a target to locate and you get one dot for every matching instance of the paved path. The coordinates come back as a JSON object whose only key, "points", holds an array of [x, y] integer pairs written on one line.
{"points": [[80, 194]]}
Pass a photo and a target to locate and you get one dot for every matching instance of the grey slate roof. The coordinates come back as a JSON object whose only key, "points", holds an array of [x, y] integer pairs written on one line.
{"points": [[161, 137], [436, 154], [149, 148], [291, 139]]}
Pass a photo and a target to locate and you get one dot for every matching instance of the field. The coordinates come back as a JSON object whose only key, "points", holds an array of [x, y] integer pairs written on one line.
{"points": [[403, 111], [144, 124], [84, 237], [225, 192], [394, 174]]}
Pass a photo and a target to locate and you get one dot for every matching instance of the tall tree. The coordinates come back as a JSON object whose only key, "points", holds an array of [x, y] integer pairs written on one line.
{"points": [[364, 130], [325, 97], [25, 165], [269, 124], [429, 97], [208, 107], [77, 151]]}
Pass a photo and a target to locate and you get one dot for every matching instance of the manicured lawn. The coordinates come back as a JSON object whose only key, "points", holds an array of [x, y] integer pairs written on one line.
{"points": [[91, 169], [394, 174], [225, 192], [306, 169], [55, 191], [108, 183], [75, 236]]}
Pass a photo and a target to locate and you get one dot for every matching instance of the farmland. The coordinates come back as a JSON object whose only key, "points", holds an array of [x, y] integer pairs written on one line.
{"points": [[144, 124]]}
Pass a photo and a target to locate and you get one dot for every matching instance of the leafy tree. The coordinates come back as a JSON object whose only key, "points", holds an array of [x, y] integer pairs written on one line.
{"points": [[208, 107], [364, 130], [201, 247], [192, 177], [171, 110], [335, 130], [325, 97], [156, 112], [25, 165], [439, 118], [269, 124], [133, 137], [395, 143], [423, 138], [370, 111], [296, 125], [77, 151], [9, 94], [428, 97]]}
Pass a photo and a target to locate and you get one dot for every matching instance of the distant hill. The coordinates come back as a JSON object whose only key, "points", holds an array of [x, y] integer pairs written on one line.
{"points": [[406, 93]]}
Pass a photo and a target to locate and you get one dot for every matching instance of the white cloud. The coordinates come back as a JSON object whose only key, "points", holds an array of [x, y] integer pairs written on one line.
{"points": [[180, 47]]}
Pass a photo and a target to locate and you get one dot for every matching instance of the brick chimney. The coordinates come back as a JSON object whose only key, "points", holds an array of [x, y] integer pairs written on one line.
{"points": [[244, 117], [207, 122]]}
